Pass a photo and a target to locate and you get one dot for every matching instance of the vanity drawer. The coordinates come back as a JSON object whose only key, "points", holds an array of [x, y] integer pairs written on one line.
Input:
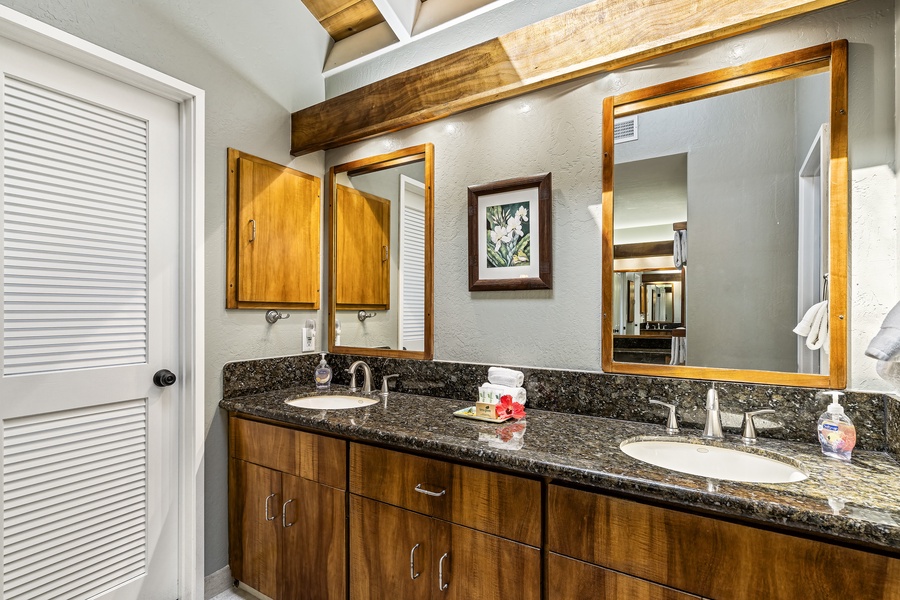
{"points": [[710, 557], [495, 503], [568, 579], [306, 455]]}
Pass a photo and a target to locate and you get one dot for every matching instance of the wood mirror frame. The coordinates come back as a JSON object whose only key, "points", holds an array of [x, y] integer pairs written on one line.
{"points": [[424, 152], [831, 57]]}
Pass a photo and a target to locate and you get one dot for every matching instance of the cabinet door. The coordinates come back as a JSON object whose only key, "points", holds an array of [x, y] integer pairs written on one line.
{"points": [[472, 564], [363, 231], [391, 552], [273, 235], [569, 579], [314, 552], [256, 520]]}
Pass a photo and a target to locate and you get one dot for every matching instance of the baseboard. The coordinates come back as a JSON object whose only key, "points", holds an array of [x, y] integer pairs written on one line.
{"points": [[216, 583]]}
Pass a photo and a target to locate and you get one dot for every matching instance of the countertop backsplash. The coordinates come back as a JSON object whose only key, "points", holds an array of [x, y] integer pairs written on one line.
{"points": [[876, 416]]}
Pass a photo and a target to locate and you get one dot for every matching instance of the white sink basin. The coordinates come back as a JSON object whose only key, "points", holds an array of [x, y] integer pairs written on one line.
{"points": [[331, 402], [712, 461]]}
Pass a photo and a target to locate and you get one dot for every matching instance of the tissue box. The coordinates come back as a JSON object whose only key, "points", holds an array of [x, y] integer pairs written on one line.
{"points": [[489, 392], [487, 410]]}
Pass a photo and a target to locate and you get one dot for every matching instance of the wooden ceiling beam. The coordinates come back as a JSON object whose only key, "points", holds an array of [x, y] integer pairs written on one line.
{"points": [[599, 36]]}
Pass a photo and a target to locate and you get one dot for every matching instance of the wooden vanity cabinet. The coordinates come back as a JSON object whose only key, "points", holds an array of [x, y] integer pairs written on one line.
{"points": [[287, 511], [699, 555], [426, 528]]}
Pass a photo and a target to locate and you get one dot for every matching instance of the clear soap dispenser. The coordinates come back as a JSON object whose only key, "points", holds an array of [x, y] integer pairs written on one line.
{"points": [[837, 433], [323, 374]]}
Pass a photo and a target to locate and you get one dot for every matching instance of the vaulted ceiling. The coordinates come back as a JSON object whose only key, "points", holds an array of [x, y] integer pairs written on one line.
{"points": [[343, 18], [362, 29]]}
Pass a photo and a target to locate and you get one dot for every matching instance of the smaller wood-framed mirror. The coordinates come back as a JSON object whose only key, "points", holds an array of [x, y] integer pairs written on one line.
{"points": [[737, 180], [381, 255]]}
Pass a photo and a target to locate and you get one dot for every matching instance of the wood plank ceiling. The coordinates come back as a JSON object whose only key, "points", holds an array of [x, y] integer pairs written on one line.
{"points": [[343, 18]]}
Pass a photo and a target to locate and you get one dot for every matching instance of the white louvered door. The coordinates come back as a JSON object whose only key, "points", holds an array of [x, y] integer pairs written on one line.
{"points": [[90, 260], [412, 264]]}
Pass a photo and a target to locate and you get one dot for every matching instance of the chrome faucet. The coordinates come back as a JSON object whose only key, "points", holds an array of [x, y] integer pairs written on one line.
{"points": [[367, 377], [713, 428]]}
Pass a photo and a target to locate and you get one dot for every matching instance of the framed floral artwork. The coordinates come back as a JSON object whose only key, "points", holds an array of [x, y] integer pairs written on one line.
{"points": [[510, 234]]}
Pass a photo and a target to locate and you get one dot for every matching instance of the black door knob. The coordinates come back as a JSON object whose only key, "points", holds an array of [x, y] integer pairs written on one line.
{"points": [[164, 378]]}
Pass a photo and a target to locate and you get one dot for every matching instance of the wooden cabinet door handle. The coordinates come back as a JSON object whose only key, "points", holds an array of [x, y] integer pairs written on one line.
{"points": [[252, 230]]}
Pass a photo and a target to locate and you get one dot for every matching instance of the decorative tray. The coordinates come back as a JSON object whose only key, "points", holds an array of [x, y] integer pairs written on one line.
{"points": [[469, 413]]}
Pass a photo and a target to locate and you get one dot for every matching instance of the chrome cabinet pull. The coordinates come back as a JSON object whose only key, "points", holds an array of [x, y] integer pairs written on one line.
{"points": [[422, 490], [412, 563], [284, 522], [268, 518], [253, 230], [441, 585]]}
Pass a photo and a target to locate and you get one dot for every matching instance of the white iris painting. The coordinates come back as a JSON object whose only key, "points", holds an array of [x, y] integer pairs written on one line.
{"points": [[508, 235]]}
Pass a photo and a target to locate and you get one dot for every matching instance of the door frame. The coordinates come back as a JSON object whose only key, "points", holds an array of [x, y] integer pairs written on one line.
{"points": [[191, 100]]}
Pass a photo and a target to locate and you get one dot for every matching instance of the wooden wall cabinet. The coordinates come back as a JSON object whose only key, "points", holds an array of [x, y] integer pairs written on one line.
{"points": [[363, 244], [274, 235], [425, 528], [287, 511], [698, 555]]}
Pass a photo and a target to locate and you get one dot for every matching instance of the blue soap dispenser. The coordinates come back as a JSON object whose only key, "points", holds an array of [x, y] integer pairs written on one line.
{"points": [[837, 434], [323, 375]]}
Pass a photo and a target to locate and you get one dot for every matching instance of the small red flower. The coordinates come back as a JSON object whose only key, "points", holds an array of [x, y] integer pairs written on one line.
{"points": [[507, 408]]}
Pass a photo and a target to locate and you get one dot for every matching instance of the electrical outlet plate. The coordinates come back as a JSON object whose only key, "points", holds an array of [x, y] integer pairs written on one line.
{"points": [[309, 339]]}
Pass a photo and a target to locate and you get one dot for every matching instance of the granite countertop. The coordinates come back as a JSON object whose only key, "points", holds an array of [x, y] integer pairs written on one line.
{"points": [[859, 501]]}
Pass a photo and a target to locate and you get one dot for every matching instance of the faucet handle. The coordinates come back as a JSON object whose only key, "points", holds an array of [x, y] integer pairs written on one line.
{"points": [[672, 422], [384, 383], [748, 429]]}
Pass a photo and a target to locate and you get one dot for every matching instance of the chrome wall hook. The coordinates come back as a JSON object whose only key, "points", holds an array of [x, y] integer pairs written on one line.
{"points": [[272, 316], [363, 315]]}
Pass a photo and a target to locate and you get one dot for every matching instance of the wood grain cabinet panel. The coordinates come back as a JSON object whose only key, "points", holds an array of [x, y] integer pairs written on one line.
{"points": [[710, 557], [396, 553], [314, 561], [273, 235], [391, 552], [255, 501], [496, 503], [363, 234], [570, 579], [287, 525], [307, 455]]}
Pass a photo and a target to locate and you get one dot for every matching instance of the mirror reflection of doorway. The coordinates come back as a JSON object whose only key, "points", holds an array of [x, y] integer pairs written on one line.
{"points": [[412, 265]]}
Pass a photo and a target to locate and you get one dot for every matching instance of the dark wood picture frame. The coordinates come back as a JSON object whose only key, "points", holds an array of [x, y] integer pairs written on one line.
{"points": [[477, 254]]}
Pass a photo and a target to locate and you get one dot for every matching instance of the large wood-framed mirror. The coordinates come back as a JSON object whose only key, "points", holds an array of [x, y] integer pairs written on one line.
{"points": [[381, 255], [737, 180]]}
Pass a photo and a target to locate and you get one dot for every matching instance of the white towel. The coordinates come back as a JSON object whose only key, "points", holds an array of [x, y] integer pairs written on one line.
{"points": [[814, 326], [676, 250], [507, 377], [679, 351], [682, 241], [886, 343]]}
